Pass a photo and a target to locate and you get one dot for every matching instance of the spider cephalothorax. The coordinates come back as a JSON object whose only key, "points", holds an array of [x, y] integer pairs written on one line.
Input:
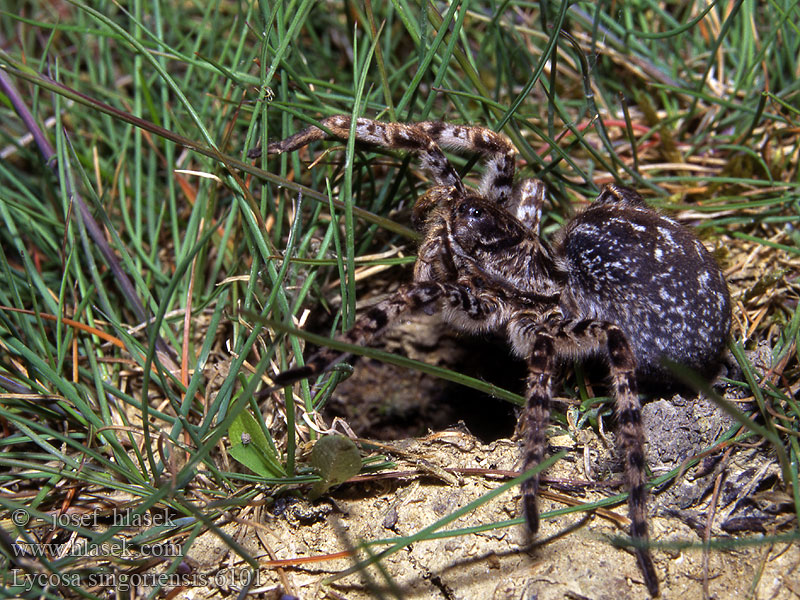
{"points": [[620, 280]]}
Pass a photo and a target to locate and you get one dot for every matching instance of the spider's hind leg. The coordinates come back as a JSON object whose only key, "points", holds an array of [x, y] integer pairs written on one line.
{"points": [[622, 365]]}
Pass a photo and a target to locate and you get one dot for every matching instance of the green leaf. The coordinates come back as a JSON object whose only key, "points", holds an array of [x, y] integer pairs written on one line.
{"points": [[249, 446], [336, 459]]}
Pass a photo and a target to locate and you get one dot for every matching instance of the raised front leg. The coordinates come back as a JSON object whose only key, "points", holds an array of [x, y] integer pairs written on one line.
{"points": [[495, 148], [398, 136], [425, 139]]}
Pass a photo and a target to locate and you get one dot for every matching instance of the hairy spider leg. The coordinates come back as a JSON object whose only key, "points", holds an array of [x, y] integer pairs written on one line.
{"points": [[386, 135], [526, 203], [426, 139], [541, 367], [523, 200], [622, 365], [495, 149], [553, 341], [414, 296]]}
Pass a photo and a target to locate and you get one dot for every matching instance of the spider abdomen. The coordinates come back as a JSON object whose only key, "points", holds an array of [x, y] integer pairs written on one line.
{"points": [[650, 276]]}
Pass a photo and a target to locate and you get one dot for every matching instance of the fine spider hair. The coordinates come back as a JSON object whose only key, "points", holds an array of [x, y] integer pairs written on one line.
{"points": [[620, 281]]}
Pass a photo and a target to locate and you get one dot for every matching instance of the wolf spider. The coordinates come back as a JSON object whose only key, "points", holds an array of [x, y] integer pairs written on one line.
{"points": [[620, 280]]}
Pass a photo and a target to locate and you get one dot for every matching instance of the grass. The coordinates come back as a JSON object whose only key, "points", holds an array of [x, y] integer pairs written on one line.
{"points": [[142, 252]]}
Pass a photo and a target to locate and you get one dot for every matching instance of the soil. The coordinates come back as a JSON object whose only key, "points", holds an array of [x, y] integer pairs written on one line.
{"points": [[572, 556], [731, 494]]}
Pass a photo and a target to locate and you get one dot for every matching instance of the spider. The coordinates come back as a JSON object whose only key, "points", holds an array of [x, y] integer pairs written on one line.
{"points": [[619, 280]]}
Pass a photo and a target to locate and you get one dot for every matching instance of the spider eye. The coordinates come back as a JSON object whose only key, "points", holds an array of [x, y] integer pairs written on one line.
{"points": [[465, 209]]}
